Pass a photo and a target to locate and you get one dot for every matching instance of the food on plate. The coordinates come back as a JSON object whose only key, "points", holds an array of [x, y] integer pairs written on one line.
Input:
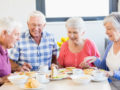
{"points": [[88, 71], [29, 74], [64, 71], [54, 71], [70, 68], [17, 79], [32, 83], [59, 76]]}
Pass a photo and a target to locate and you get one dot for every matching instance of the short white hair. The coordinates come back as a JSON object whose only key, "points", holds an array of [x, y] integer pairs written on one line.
{"points": [[76, 22], [114, 18], [37, 14], [8, 24]]}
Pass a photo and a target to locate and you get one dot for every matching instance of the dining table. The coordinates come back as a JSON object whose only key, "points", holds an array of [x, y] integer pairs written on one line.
{"points": [[65, 84]]}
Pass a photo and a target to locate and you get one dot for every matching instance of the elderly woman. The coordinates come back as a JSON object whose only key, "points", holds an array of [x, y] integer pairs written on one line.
{"points": [[73, 52], [9, 34], [111, 59]]}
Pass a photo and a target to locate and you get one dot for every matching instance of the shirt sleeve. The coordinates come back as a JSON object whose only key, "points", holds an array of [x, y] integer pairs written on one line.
{"points": [[93, 49], [54, 50], [117, 74], [61, 55], [14, 52]]}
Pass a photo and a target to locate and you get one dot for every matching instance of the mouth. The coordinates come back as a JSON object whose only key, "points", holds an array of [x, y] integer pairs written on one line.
{"points": [[109, 36]]}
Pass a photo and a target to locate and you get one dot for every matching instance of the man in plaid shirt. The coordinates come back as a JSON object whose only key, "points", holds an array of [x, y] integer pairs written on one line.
{"points": [[35, 47]]}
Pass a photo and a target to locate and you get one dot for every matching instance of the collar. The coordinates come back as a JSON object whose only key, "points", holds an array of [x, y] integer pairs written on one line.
{"points": [[27, 34], [2, 51]]}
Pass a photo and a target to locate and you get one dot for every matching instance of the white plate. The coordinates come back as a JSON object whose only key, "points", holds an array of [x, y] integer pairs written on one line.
{"points": [[39, 88], [56, 79], [99, 79]]}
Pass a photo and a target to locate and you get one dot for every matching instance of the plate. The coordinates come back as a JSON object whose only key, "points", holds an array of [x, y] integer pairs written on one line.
{"points": [[39, 88], [56, 79], [60, 77], [99, 79]]}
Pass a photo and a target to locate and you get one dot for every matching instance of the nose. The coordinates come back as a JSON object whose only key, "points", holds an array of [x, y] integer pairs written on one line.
{"points": [[36, 27], [72, 35]]}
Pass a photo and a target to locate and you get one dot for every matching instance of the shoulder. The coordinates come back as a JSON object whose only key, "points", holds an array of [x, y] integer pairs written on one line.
{"points": [[24, 34], [64, 45], [45, 33], [110, 43], [89, 42], [48, 35]]}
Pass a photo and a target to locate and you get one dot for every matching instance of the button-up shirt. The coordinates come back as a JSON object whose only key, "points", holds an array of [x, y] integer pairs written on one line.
{"points": [[5, 66], [27, 50]]}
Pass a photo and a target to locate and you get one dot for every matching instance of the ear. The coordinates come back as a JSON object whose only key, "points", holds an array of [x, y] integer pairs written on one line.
{"points": [[4, 32]]}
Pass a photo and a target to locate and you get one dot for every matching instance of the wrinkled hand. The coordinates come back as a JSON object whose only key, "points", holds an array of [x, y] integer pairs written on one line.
{"points": [[55, 65], [4, 79], [26, 67], [109, 73], [84, 65], [87, 61]]}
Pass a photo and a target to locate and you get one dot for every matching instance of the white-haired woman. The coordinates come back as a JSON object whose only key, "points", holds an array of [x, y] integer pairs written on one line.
{"points": [[73, 52], [9, 34], [111, 59]]}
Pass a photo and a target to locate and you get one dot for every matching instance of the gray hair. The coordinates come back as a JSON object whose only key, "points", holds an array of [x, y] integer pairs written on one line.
{"points": [[8, 24], [114, 18], [76, 22], [37, 14]]}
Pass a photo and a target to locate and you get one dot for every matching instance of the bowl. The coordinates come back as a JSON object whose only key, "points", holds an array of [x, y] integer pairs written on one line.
{"points": [[18, 79], [82, 79]]}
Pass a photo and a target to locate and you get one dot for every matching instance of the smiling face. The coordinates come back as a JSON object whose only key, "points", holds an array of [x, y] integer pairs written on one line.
{"points": [[74, 35], [112, 32], [36, 25]]}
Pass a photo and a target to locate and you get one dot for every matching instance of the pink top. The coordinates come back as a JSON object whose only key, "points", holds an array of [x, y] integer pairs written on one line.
{"points": [[5, 66], [68, 59]]}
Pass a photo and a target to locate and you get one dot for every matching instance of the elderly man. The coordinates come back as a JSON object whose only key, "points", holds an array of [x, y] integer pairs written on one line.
{"points": [[36, 46], [9, 34]]}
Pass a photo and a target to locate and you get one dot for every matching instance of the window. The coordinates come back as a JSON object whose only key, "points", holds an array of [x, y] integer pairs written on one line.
{"points": [[60, 10]]}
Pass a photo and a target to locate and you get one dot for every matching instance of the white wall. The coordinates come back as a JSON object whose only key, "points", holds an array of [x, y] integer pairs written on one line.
{"points": [[20, 9]]}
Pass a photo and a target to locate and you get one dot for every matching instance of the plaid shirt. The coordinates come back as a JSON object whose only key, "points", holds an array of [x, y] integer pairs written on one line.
{"points": [[27, 50]]}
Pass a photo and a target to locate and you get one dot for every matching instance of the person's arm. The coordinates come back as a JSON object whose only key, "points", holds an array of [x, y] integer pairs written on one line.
{"points": [[3, 80], [14, 66], [116, 74], [102, 64], [17, 67], [54, 59]]}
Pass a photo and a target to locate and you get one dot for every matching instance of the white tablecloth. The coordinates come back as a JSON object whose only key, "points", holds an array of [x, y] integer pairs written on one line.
{"points": [[66, 85]]}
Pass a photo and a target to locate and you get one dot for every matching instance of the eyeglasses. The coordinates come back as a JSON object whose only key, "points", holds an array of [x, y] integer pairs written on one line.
{"points": [[36, 25]]}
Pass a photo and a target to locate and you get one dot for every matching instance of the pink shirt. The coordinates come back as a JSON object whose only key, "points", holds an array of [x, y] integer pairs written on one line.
{"points": [[5, 66], [68, 59]]}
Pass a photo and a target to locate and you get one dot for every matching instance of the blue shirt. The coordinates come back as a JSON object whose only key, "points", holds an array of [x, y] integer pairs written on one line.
{"points": [[102, 64], [27, 50]]}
